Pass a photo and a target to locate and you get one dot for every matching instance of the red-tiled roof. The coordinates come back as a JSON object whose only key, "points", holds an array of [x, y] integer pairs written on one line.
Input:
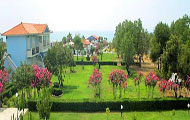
{"points": [[95, 36], [86, 42], [26, 28]]}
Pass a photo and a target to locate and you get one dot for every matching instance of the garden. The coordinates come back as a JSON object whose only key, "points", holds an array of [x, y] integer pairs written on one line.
{"points": [[97, 87]]}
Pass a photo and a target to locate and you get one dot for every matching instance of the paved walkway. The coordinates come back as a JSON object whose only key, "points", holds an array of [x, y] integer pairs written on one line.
{"points": [[6, 113]]}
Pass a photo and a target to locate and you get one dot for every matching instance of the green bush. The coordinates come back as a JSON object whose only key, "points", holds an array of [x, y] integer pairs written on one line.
{"points": [[57, 91], [56, 85], [88, 58], [114, 105]]}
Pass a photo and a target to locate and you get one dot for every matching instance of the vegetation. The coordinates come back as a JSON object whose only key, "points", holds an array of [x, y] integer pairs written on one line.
{"points": [[156, 115], [170, 47], [131, 39]]}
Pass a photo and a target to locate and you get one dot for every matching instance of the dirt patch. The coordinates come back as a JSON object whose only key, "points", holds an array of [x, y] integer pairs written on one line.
{"points": [[146, 66]]}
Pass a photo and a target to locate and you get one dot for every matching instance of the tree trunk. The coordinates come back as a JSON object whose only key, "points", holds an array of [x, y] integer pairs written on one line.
{"points": [[140, 61], [77, 54], [160, 63]]}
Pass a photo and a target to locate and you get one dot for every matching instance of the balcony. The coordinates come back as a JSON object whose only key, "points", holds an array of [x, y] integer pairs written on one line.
{"points": [[33, 51]]}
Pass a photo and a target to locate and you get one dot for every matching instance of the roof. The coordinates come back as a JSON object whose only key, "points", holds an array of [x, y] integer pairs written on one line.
{"points": [[93, 37], [26, 28], [86, 42]]}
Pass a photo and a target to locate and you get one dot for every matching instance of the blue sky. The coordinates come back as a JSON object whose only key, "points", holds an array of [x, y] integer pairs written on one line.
{"points": [[76, 15]]}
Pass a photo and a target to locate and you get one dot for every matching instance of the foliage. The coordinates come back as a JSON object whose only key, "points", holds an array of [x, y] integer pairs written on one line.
{"points": [[163, 84], [78, 45], [137, 81], [94, 60], [169, 57], [23, 76], [118, 78], [57, 91], [159, 40], [4, 77], [107, 112], [129, 39], [128, 104], [2, 50], [151, 81], [95, 80], [42, 77], [44, 105], [187, 82], [57, 58]]}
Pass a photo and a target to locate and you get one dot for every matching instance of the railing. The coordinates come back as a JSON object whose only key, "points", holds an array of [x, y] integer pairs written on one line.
{"points": [[33, 51]]}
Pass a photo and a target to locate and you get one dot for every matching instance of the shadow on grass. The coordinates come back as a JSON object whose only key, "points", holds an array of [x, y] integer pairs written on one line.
{"points": [[68, 88]]}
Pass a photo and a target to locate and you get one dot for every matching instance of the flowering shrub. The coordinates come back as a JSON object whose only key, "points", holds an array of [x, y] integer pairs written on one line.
{"points": [[173, 86], [42, 77], [118, 77], [4, 77], [163, 85], [151, 81], [137, 81], [95, 80], [94, 60], [187, 83]]}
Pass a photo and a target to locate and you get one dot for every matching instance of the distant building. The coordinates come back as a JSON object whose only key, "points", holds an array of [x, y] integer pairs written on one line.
{"points": [[27, 43], [93, 38]]}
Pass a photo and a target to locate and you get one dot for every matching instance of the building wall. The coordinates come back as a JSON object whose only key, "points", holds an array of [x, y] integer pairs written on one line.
{"points": [[16, 47]]}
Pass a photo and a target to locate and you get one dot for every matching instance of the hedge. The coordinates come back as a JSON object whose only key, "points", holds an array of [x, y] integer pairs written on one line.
{"points": [[129, 105], [91, 63]]}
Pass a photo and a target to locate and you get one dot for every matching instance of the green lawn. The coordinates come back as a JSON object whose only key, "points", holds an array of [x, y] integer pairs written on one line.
{"points": [[76, 85], [105, 57], [164, 115]]}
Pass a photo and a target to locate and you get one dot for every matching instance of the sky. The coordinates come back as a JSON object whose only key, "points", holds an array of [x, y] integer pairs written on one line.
{"points": [[90, 15]]}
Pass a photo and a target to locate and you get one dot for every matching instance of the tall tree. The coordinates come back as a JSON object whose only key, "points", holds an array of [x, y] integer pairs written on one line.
{"points": [[162, 35], [78, 44], [2, 50]]}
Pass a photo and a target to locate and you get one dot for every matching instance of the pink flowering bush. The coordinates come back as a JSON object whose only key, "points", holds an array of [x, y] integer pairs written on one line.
{"points": [[137, 81], [163, 85], [173, 86], [42, 77], [151, 81], [94, 60], [187, 83], [95, 80], [118, 77], [4, 77]]}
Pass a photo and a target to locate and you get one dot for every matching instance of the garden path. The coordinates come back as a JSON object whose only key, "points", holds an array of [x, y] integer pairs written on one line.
{"points": [[7, 113]]}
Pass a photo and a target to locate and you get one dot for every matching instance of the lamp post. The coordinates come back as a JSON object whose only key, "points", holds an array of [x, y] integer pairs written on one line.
{"points": [[121, 110], [17, 104], [188, 106]]}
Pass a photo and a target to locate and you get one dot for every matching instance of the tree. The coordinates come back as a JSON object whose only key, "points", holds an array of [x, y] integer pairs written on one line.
{"points": [[162, 35], [118, 78], [95, 80], [92, 49], [78, 44], [170, 56], [2, 50], [50, 60], [44, 105], [23, 79], [127, 50], [69, 37], [64, 40]]}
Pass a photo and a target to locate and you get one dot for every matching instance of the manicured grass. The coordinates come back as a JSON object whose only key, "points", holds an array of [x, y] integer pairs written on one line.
{"points": [[163, 115], [76, 85], [105, 57]]}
